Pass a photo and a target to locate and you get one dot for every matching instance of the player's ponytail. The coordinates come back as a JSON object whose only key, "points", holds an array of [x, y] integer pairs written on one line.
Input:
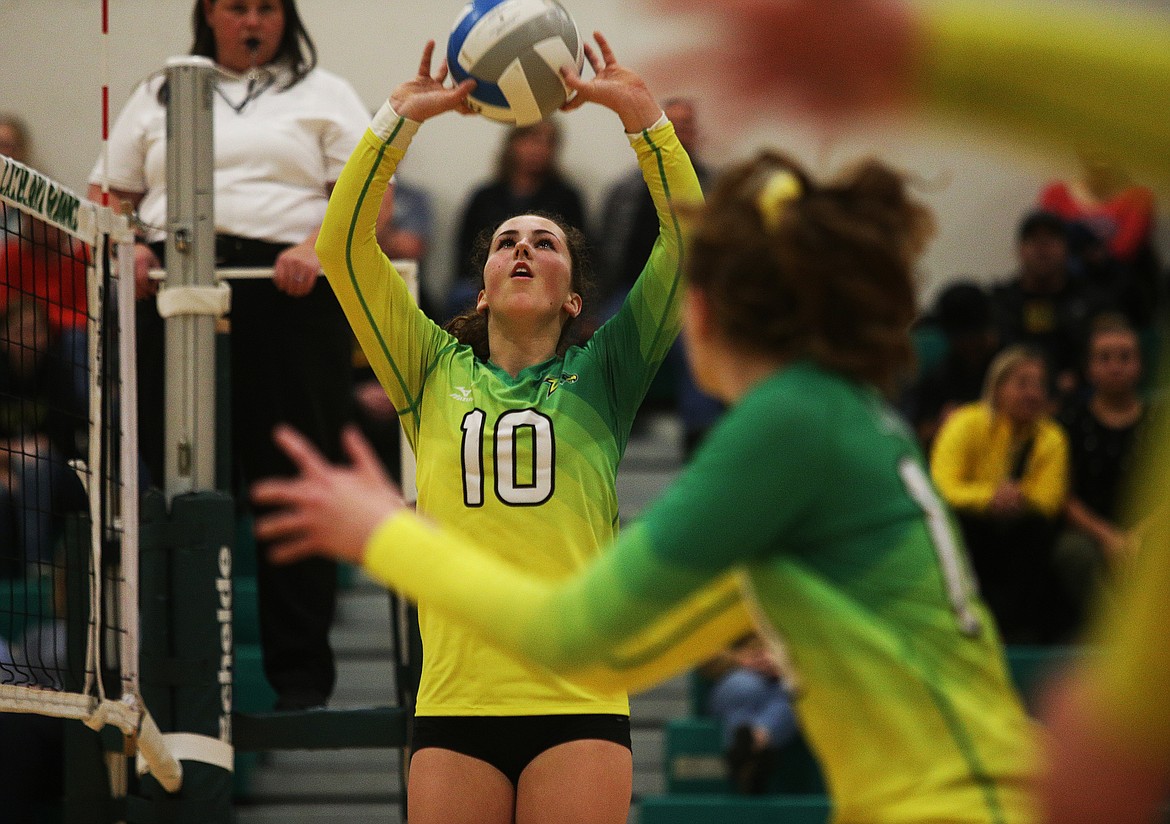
{"points": [[795, 269]]}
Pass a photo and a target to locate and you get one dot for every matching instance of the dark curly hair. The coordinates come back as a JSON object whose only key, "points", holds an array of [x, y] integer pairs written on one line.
{"points": [[820, 271], [471, 327]]}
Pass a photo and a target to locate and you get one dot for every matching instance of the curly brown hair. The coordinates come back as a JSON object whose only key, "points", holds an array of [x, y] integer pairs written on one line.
{"points": [[471, 327], [818, 271]]}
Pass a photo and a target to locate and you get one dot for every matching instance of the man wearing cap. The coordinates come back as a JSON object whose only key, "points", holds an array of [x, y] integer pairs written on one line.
{"points": [[1043, 306]]}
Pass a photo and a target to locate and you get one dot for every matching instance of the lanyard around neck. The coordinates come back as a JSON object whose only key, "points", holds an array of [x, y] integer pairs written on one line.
{"points": [[255, 89]]}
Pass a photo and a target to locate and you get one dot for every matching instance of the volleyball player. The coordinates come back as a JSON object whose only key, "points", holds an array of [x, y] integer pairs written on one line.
{"points": [[809, 501], [517, 436]]}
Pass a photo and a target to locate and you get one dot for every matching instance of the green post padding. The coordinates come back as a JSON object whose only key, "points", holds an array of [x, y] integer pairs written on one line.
{"points": [[187, 644], [244, 562], [729, 809]]}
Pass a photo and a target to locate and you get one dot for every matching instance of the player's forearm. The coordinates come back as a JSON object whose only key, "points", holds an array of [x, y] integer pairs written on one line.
{"points": [[501, 603], [1095, 80], [671, 178], [347, 244], [625, 623]]}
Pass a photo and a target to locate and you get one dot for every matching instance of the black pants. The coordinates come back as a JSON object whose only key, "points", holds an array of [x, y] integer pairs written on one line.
{"points": [[1012, 561], [291, 362]]}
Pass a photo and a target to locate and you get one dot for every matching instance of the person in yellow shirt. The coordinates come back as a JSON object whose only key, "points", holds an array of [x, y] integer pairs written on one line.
{"points": [[1002, 465]]}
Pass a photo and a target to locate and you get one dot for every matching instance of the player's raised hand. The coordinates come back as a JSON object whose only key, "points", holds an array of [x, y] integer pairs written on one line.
{"points": [[326, 509], [613, 86], [425, 95]]}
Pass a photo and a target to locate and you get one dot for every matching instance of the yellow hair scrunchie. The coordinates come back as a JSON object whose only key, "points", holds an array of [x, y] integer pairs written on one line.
{"points": [[781, 187]]}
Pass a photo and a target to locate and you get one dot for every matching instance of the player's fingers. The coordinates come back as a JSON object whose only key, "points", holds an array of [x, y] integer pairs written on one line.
{"points": [[361, 453], [606, 51], [284, 524], [464, 88], [275, 492], [571, 77], [424, 65], [573, 103], [441, 74], [299, 450], [296, 549], [594, 60]]}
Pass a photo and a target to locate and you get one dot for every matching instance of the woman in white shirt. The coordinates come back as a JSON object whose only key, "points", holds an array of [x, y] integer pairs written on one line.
{"points": [[283, 130]]}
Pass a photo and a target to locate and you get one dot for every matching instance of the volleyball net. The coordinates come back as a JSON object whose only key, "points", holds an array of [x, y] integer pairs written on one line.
{"points": [[68, 464]]}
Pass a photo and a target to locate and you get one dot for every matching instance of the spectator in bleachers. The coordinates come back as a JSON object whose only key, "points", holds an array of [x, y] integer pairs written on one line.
{"points": [[32, 774], [1102, 429], [962, 313], [528, 180], [1111, 220], [48, 266], [38, 259], [39, 419], [1002, 465], [1043, 306], [752, 706], [14, 143], [14, 139]]}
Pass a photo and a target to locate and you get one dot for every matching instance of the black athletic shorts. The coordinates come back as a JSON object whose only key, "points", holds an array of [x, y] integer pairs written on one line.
{"points": [[510, 742]]}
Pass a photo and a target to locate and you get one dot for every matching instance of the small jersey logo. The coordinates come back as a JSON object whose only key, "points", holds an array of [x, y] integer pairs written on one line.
{"points": [[463, 395], [554, 383]]}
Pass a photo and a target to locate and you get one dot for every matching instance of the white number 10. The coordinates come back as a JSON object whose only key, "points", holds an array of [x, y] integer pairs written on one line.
{"points": [[508, 486]]}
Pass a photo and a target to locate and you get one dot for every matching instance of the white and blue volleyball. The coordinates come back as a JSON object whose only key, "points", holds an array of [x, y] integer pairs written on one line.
{"points": [[514, 49]]}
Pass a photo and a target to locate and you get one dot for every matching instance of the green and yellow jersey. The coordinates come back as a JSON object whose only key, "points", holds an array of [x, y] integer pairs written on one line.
{"points": [[526, 466], [809, 510]]}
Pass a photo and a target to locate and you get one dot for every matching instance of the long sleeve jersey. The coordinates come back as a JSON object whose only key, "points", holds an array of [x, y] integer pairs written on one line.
{"points": [[525, 465]]}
